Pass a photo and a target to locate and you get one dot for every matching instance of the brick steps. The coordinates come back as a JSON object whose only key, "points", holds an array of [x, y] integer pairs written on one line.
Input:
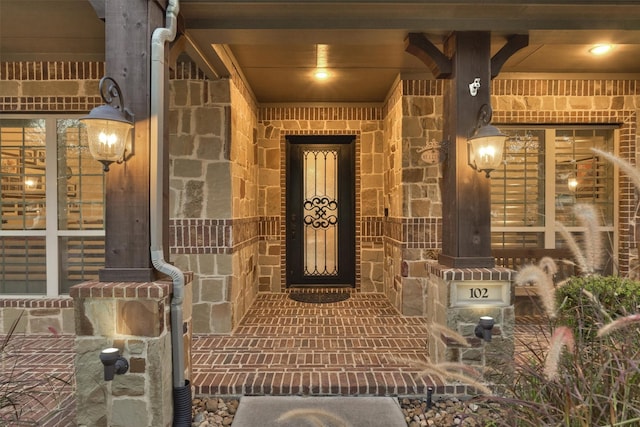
{"points": [[361, 346]]}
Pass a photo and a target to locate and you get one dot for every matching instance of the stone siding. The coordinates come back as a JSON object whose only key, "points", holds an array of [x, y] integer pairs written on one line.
{"points": [[365, 123], [413, 116], [214, 225], [135, 318], [42, 87], [37, 316], [393, 212], [228, 169]]}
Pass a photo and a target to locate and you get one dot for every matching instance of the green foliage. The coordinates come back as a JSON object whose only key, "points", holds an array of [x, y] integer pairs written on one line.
{"points": [[606, 298], [615, 294], [595, 379]]}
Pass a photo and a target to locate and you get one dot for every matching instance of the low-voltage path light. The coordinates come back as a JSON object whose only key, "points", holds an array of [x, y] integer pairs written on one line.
{"points": [[113, 363]]}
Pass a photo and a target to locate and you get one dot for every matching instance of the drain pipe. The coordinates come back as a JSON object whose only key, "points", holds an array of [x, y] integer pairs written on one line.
{"points": [[181, 388]]}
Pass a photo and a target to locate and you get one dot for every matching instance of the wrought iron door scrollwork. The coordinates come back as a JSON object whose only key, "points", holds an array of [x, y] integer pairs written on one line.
{"points": [[319, 215]]}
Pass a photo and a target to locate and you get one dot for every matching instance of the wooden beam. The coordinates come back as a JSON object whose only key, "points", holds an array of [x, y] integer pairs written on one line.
{"points": [[438, 63], [213, 68], [98, 7], [514, 44], [466, 201], [128, 28]]}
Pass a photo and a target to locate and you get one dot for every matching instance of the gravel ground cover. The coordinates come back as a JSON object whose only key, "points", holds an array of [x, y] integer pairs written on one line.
{"points": [[452, 412]]}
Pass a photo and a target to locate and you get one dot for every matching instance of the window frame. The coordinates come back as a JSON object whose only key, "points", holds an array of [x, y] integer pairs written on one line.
{"points": [[549, 229], [51, 232]]}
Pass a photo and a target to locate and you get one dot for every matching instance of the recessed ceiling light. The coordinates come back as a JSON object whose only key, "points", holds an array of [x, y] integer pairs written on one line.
{"points": [[322, 56], [600, 49], [321, 74]]}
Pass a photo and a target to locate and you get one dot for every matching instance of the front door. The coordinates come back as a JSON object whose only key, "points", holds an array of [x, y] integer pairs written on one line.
{"points": [[320, 222]]}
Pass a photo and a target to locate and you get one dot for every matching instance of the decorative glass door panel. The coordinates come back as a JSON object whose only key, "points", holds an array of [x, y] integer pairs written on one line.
{"points": [[320, 211]]}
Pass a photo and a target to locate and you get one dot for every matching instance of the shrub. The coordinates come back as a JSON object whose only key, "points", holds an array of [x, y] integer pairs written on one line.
{"points": [[587, 303], [580, 375]]}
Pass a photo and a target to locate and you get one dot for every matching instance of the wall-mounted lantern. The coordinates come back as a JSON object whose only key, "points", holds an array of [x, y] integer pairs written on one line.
{"points": [[109, 127], [486, 145]]}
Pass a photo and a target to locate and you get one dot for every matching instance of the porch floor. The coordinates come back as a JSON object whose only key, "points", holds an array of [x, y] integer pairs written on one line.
{"points": [[358, 347], [361, 346]]}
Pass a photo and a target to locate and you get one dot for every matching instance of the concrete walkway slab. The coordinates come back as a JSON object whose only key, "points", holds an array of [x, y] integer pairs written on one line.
{"points": [[299, 411]]}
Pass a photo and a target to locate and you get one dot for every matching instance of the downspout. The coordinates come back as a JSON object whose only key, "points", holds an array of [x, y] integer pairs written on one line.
{"points": [[182, 391]]}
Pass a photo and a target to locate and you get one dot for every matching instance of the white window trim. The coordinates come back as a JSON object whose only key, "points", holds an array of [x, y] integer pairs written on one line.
{"points": [[549, 229], [51, 233]]}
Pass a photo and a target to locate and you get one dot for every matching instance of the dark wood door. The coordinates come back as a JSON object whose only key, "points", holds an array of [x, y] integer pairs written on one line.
{"points": [[320, 221]]}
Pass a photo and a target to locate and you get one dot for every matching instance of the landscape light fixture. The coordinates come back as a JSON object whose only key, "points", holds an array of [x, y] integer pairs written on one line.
{"points": [[484, 327], [108, 126], [113, 363], [486, 145]]}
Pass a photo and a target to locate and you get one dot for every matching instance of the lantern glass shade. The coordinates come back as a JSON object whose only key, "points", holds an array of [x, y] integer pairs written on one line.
{"points": [[486, 149], [108, 132]]}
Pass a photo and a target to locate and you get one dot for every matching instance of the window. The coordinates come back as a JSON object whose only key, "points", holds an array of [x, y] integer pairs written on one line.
{"points": [[51, 207], [546, 173]]}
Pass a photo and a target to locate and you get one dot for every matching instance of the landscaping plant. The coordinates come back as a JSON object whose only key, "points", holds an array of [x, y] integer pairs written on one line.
{"points": [[587, 372]]}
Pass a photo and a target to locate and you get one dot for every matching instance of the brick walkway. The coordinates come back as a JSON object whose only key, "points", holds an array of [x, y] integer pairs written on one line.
{"points": [[356, 347], [39, 370]]}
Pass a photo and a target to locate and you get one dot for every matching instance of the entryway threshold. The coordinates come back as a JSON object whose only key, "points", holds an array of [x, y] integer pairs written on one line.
{"points": [[330, 411]]}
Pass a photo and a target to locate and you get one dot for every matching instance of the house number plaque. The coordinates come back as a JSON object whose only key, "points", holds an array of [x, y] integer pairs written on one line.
{"points": [[481, 292]]}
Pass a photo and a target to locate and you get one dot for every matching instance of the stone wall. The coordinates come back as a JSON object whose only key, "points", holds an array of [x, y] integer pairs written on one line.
{"points": [[37, 316], [413, 116], [393, 147], [244, 193], [135, 318], [441, 310], [200, 195], [47, 87], [214, 227], [365, 123]]}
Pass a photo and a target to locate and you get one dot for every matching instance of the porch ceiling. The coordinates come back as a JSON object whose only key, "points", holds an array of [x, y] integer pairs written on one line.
{"points": [[274, 42]]}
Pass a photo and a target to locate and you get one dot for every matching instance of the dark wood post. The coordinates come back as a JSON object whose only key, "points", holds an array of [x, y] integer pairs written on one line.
{"points": [[129, 25], [466, 202]]}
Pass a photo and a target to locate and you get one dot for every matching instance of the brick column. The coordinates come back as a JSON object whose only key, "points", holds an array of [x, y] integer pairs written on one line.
{"points": [[135, 318], [443, 308]]}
